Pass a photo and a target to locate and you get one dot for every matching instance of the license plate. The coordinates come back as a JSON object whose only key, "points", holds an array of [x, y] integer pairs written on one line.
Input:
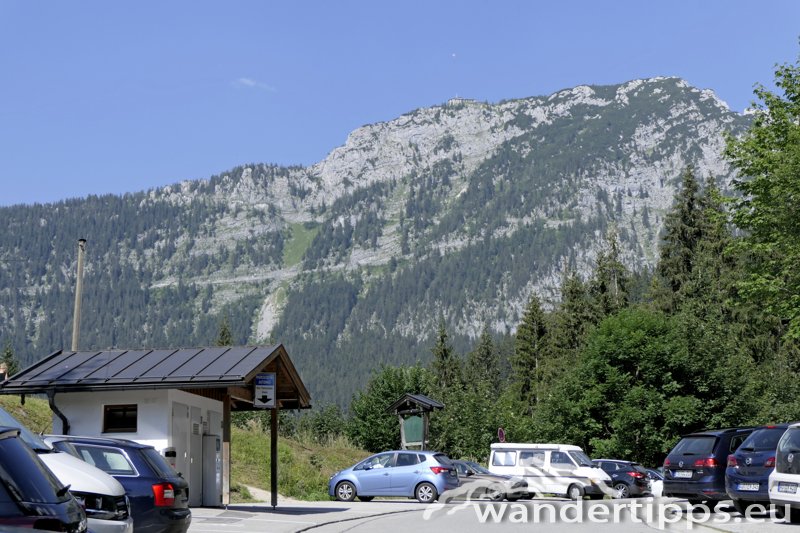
{"points": [[683, 474], [747, 486], [790, 488]]}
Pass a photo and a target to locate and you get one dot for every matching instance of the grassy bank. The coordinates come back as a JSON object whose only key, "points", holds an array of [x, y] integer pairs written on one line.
{"points": [[35, 414], [304, 467]]}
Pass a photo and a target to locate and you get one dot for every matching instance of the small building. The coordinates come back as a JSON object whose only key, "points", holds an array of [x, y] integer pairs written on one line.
{"points": [[179, 401]]}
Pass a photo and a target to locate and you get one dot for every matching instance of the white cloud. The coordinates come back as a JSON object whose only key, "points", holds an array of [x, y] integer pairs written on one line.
{"points": [[250, 83]]}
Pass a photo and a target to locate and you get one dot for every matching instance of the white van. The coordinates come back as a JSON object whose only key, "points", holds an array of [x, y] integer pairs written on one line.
{"points": [[559, 469]]}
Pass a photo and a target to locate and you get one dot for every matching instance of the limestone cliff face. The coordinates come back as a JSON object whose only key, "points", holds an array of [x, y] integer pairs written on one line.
{"points": [[618, 151]]}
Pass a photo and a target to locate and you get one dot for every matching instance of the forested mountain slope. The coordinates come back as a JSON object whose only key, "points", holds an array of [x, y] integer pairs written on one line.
{"points": [[456, 212]]}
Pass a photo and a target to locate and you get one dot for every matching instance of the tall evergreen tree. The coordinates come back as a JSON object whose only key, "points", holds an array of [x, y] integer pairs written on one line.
{"points": [[530, 350], [482, 370], [574, 318], [9, 360], [224, 337], [681, 235], [609, 285], [446, 365]]}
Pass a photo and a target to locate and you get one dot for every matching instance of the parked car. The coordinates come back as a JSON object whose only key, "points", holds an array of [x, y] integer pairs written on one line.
{"points": [[656, 482], [101, 496], [784, 481], [628, 479], [30, 494], [560, 469], [695, 468], [749, 467], [476, 482], [423, 475], [159, 496]]}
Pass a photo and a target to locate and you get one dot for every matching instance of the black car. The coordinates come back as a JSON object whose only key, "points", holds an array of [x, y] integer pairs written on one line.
{"points": [[159, 496], [749, 467], [695, 468], [476, 482], [628, 479], [30, 495]]}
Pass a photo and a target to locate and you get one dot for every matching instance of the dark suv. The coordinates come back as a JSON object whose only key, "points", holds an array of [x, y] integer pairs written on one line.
{"points": [[30, 495], [747, 475], [695, 468], [628, 479], [159, 496]]}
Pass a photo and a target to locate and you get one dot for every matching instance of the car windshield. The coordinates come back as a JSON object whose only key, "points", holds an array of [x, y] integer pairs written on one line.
{"points": [[28, 437], [699, 445], [478, 468], [763, 439], [25, 478], [581, 458]]}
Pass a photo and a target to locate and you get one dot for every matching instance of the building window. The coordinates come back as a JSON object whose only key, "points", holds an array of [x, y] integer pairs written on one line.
{"points": [[119, 418]]}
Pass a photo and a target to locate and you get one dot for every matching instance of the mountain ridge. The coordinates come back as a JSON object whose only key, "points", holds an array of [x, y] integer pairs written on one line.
{"points": [[458, 211]]}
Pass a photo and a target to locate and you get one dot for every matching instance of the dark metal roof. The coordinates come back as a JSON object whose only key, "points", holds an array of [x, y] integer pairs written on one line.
{"points": [[184, 368], [411, 402]]}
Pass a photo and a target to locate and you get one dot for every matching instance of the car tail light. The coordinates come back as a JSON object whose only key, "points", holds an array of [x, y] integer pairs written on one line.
{"points": [[164, 494], [770, 463], [708, 462], [666, 463], [731, 461], [636, 475], [439, 469]]}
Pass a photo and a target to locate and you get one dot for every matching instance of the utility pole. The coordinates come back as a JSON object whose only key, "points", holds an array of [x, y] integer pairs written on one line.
{"points": [[76, 315]]}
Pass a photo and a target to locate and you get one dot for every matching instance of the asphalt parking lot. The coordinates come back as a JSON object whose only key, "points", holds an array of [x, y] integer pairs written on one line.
{"points": [[390, 516]]}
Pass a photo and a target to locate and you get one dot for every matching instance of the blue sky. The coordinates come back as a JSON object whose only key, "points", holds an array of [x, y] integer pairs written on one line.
{"points": [[104, 97]]}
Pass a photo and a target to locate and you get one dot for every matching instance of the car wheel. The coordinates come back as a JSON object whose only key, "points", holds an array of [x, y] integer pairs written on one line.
{"points": [[345, 491], [621, 490], [426, 493], [575, 492], [495, 493], [366, 498]]}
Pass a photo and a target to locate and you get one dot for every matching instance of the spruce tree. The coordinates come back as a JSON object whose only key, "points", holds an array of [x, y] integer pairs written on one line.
{"points": [[224, 337], [9, 360], [574, 318], [529, 352], [482, 371], [609, 285], [446, 366], [682, 232]]}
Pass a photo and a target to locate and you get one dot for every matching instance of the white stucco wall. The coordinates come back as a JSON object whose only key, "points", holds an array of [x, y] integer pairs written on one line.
{"points": [[84, 411]]}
